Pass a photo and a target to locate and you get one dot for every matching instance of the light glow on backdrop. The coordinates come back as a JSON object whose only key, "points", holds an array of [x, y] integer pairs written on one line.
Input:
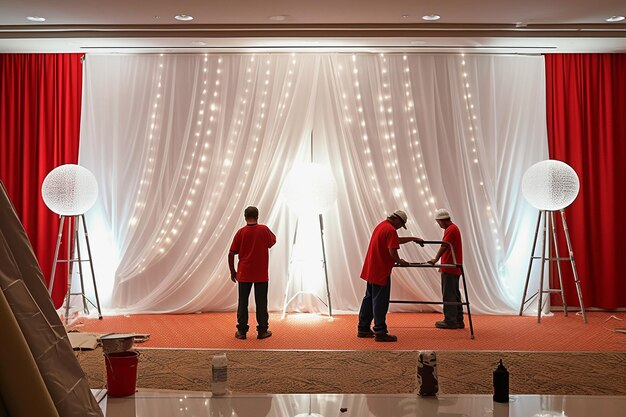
{"points": [[310, 189], [180, 144]]}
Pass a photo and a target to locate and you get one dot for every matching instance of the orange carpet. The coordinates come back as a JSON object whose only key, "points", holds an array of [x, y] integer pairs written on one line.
{"points": [[415, 331]]}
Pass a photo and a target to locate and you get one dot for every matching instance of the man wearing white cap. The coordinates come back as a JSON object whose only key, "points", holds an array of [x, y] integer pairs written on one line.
{"points": [[453, 314], [382, 255]]}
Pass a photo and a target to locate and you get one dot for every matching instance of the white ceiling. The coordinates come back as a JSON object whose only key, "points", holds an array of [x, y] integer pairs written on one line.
{"points": [[479, 26]]}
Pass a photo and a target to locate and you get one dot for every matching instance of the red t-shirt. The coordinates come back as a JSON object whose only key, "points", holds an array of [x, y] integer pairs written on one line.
{"points": [[378, 262], [452, 235], [251, 244]]}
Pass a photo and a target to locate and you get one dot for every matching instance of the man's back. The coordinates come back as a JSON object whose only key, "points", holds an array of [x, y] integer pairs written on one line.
{"points": [[251, 244]]}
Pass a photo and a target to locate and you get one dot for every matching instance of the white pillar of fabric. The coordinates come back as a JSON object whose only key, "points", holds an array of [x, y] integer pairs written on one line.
{"points": [[181, 144]]}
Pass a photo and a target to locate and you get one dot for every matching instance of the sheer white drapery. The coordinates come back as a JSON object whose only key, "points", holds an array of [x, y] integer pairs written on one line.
{"points": [[181, 144]]}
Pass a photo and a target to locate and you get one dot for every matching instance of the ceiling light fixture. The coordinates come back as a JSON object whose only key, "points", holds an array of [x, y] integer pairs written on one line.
{"points": [[183, 17], [614, 19], [278, 17], [406, 16], [431, 17], [36, 18]]}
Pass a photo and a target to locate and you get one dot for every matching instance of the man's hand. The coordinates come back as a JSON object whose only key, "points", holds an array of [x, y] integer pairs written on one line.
{"points": [[419, 241], [233, 276], [432, 261], [402, 262]]}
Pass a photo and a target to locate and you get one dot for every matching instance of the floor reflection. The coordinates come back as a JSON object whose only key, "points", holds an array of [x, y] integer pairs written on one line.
{"points": [[179, 403]]}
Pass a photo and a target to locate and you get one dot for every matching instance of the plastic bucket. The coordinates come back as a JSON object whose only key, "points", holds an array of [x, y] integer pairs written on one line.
{"points": [[121, 373]]}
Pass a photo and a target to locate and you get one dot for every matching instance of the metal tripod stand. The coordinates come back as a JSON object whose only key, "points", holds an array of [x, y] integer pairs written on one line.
{"points": [[290, 277], [550, 226], [73, 242]]}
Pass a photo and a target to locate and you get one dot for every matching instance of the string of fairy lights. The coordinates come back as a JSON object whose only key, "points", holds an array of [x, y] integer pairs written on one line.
{"points": [[251, 108], [149, 171], [472, 134], [208, 146], [387, 137], [414, 139]]}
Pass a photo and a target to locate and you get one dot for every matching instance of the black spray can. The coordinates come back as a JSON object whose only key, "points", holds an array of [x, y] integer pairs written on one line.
{"points": [[501, 384], [427, 373]]}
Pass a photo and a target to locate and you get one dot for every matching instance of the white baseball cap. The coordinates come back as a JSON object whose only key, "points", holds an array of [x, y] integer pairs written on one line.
{"points": [[401, 215], [441, 214]]}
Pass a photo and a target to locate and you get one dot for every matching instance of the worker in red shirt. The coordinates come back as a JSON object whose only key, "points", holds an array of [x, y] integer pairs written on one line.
{"points": [[382, 255], [251, 244], [453, 314]]}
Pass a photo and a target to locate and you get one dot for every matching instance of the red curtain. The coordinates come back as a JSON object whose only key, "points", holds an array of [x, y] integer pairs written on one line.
{"points": [[40, 101], [586, 114]]}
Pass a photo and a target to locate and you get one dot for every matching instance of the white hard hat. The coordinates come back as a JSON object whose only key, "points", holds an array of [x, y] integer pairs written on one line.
{"points": [[400, 215], [442, 214]]}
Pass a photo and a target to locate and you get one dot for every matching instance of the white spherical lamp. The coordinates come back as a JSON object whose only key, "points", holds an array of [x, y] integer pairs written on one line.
{"points": [[69, 190], [550, 185], [310, 188]]}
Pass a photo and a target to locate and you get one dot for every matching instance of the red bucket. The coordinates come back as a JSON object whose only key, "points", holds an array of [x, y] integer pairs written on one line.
{"points": [[121, 373]]}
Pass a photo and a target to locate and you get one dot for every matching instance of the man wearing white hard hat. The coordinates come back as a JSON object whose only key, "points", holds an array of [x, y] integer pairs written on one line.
{"points": [[382, 255], [453, 314]]}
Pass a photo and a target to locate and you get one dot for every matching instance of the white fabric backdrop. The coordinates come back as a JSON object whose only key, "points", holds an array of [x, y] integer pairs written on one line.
{"points": [[181, 144]]}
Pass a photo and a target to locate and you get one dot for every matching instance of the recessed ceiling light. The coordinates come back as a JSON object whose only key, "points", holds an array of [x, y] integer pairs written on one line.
{"points": [[183, 17], [615, 19], [431, 17], [36, 18], [406, 16], [278, 17]]}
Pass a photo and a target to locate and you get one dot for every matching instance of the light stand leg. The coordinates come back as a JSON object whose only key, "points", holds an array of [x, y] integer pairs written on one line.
{"points": [[289, 272], [571, 257], [56, 255], [543, 263], [558, 263], [530, 264], [330, 308], [80, 266], [69, 268], [93, 274]]}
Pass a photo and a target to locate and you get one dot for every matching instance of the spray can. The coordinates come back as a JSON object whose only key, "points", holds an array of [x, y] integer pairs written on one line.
{"points": [[427, 373], [501, 384], [219, 378]]}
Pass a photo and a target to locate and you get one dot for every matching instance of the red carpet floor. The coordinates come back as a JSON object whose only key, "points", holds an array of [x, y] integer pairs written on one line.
{"points": [[415, 331]]}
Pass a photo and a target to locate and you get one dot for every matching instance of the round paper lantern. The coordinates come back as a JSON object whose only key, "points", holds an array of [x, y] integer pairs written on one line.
{"points": [[550, 185], [69, 190], [310, 188]]}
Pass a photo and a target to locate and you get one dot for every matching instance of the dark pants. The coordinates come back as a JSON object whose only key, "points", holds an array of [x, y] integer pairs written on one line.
{"points": [[374, 306], [260, 298], [450, 290]]}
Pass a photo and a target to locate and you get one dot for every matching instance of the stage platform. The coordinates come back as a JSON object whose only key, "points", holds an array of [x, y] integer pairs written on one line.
{"points": [[309, 354], [415, 331]]}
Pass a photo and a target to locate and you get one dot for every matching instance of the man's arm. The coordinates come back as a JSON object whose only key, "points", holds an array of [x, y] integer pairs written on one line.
{"points": [[231, 265], [412, 239], [442, 249], [272, 238], [394, 254]]}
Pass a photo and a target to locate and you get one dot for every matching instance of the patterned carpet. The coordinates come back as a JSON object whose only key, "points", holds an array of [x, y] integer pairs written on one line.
{"points": [[415, 331]]}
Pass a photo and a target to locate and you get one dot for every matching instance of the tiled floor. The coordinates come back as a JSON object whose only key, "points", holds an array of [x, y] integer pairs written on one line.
{"points": [[199, 404]]}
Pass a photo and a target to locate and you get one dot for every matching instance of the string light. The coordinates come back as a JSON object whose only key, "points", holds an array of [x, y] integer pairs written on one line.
{"points": [[472, 129]]}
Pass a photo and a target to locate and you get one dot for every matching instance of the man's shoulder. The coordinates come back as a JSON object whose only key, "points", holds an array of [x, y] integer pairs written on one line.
{"points": [[452, 230], [384, 225]]}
